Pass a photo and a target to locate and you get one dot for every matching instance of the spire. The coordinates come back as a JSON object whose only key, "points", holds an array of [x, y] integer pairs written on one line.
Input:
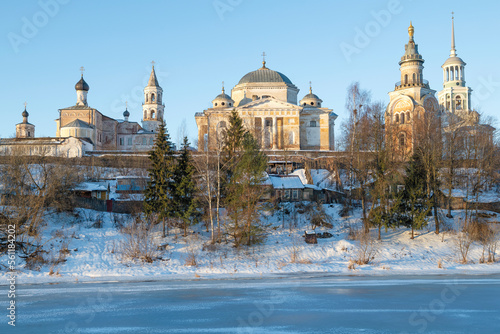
{"points": [[223, 92], [411, 31], [263, 60], [310, 87], [153, 81], [453, 52]]}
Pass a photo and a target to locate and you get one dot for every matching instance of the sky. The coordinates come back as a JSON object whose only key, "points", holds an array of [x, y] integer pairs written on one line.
{"points": [[197, 44]]}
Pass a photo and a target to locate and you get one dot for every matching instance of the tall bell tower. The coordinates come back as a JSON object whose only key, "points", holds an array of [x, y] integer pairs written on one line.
{"points": [[153, 106]]}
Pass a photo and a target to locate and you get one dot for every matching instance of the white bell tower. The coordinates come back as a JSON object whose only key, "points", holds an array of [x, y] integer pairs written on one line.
{"points": [[153, 106]]}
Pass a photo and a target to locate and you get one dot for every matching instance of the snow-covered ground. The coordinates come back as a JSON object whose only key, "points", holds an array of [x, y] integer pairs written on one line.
{"points": [[94, 253]]}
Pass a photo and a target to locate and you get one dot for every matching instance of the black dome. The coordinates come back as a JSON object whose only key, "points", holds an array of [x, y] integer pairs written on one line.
{"points": [[82, 85]]}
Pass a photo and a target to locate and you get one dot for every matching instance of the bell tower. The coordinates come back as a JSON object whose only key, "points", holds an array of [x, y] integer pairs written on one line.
{"points": [[153, 106], [25, 129], [455, 98]]}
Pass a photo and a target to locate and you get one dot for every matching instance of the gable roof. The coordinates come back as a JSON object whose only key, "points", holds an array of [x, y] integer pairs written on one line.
{"points": [[286, 182], [77, 123], [269, 103]]}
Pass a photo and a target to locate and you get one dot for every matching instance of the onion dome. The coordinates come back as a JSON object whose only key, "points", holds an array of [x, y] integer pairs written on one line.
{"points": [[25, 113], [82, 85], [311, 99], [223, 100]]}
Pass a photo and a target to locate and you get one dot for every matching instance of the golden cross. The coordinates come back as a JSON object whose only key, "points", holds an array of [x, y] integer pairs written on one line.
{"points": [[263, 56], [452, 13], [126, 105], [82, 69], [25, 104], [153, 63]]}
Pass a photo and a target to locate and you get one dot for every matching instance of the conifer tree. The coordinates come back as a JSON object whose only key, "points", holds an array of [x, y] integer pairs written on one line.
{"points": [[158, 193], [184, 187]]}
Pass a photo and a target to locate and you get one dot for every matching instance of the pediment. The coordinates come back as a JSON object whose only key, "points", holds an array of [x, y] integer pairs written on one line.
{"points": [[268, 104]]}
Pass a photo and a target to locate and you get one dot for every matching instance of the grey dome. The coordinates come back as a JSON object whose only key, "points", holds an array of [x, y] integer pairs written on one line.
{"points": [[454, 60], [311, 96], [25, 113], [264, 74], [223, 96], [126, 113], [82, 85]]}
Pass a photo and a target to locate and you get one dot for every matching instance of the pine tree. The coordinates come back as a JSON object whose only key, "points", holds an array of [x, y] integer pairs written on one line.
{"points": [[158, 193], [184, 187]]}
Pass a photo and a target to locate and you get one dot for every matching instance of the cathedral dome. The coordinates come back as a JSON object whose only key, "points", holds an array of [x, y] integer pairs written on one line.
{"points": [[264, 74], [25, 113], [82, 85]]}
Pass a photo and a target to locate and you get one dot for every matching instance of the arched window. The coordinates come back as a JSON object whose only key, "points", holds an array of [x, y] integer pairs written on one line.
{"points": [[452, 74], [223, 103], [291, 138], [406, 79], [312, 124], [152, 114], [402, 118], [402, 140], [146, 97], [407, 116], [397, 118], [458, 102], [319, 104], [153, 97], [447, 74], [414, 78]]}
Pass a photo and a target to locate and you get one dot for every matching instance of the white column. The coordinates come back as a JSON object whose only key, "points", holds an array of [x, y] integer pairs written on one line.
{"points": [[275, 133]]}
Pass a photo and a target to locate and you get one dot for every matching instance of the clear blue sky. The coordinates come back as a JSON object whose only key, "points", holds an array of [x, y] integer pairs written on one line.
{"points": [[198, 44]]}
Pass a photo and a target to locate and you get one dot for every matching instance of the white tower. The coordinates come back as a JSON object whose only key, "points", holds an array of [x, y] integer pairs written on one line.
{"points": [[455, 97], [153, 106]]}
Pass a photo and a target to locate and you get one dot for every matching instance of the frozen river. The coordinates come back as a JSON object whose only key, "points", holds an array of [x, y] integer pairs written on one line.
{"points": [[312, 304]]}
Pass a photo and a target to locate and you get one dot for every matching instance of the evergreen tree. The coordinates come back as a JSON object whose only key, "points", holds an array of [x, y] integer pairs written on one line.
{"points": [[416, 202], [245, 191], [158, 193], [184, 187]]}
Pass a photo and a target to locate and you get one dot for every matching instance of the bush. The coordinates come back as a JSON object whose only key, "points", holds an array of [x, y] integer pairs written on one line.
{"points": [[138, 243]]}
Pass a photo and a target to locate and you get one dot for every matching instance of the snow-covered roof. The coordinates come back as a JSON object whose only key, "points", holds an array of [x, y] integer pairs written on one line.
{"points": [[286, 182], [91, 186]]}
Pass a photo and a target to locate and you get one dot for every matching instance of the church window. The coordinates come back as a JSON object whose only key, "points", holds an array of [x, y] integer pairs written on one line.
{"points": [[216, 104], [146, 97], [143, 141], [268, 122], [402, 118], [121, 141], [129, 141], [407, 116], [223, 104], [312, 124], [458, 103], [312, 103], [229, 103], [153, 97], [397, 118], [305, 104], [406, 79], [152, 114], [414, 78], [319, 104], [29, 134], [402, 140]]}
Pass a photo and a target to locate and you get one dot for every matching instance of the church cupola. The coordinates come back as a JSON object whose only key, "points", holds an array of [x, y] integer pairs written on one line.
{"points": [[453, 67], [222, 100], [411, 65], [25, 129], [82, 89], [153, 106], [126, 114], [311, 99]]}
